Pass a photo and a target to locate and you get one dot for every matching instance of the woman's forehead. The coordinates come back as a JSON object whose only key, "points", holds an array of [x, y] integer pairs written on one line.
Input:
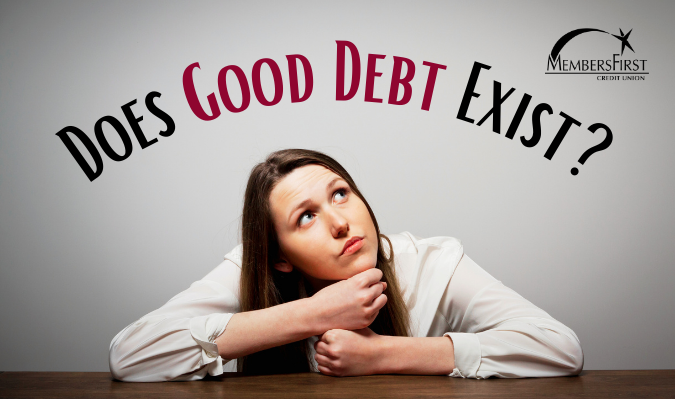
{"points": [[301, 180], [299, 185]]}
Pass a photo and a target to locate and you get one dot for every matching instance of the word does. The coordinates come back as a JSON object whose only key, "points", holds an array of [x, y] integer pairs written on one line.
{"points": [[93, 173]]}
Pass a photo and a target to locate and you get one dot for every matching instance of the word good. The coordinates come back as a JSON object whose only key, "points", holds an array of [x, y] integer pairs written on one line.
{"points": [[214, 112]]}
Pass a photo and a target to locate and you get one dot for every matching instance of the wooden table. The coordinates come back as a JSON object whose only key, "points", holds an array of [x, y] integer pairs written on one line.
{"points": [[591, 384]]}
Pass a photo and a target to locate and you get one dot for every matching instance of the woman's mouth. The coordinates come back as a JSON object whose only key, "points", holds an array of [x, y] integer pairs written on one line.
{"points": [[353, 245]]}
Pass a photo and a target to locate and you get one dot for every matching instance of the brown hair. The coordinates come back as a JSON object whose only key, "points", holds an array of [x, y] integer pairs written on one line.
{"points": [[262, 286]]}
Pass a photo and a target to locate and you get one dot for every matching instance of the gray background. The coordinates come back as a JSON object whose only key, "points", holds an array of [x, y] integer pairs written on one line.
{"points": [[80, 260]]}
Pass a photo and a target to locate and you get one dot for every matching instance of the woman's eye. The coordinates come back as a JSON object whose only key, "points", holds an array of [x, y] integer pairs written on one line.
{"points": [[340, 195], [305, 218]]}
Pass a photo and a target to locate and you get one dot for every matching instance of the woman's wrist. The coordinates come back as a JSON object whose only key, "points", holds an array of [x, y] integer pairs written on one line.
{"points": [[385, 358], [414, 355], [253, 331], [311, 315]]}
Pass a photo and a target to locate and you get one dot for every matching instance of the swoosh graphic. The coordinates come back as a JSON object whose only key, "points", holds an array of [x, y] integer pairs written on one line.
{"points": [[569, 36]]}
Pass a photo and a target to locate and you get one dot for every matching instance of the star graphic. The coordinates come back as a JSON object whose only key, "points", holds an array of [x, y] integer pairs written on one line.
{"points": [[624, 40]]}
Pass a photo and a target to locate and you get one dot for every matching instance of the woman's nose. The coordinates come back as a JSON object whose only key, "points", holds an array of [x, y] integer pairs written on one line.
{"points": [[339, 225]]}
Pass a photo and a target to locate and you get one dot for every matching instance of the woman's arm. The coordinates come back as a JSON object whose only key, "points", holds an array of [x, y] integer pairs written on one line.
{"points": [[417, 355], [198, 330], [498, 333], [175, 342], [350, 304], [493, 331], [362, 352], [257, 330]]}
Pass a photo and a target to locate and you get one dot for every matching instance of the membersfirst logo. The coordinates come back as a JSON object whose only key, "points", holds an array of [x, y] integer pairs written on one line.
{"points": [[615, 68]]}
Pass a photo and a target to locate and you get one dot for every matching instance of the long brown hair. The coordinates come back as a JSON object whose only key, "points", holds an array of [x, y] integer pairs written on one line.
{"points": [[262, 286]]}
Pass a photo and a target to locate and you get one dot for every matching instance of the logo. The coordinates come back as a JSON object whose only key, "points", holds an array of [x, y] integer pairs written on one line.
{"points": [[616, 67]]}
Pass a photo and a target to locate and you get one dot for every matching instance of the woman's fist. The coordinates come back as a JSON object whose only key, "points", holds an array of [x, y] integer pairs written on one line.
{"points": [[351, 304], [344, 353]]}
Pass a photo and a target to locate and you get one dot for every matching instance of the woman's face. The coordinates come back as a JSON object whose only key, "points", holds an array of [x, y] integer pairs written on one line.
{"points": [[324, 229]]}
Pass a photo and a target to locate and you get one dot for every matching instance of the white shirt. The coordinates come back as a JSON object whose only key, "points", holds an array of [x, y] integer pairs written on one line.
{"points": [[495, 331]]}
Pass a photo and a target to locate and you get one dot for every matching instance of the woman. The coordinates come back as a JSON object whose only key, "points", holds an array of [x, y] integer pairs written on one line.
{"points": [[316, 287]]}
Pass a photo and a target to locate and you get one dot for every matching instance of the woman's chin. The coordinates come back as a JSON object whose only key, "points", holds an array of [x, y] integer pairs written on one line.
{"points": [[361, 266]]}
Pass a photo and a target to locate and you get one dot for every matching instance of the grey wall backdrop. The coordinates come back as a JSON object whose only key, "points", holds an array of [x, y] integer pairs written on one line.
{"points": [[80, 260]]}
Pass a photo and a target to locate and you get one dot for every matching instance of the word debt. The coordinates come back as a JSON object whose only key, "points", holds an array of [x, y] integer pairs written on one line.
{"points": [[400, 88], [397, 81], [119, 130]]}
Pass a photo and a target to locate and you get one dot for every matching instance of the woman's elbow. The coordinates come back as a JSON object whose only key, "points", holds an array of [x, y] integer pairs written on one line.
{"points": [[154, 357], [565, 348], [121, 362], [124, 365], [570, 354], [578, 357], [115, 362], [564, 351]]}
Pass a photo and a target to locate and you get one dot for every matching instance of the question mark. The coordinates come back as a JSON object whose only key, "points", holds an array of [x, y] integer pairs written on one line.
{"points": [[602, 146]]}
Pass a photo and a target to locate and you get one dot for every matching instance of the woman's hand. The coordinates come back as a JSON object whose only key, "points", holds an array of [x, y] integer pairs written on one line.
{"points": [[350, 304], [343, 353]]}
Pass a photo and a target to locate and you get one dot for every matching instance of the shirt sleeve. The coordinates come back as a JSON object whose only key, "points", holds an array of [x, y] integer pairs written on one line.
{"points": [[177, 341], [498, 333]]}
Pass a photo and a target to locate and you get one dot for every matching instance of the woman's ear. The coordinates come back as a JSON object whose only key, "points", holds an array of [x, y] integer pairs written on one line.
{"points": [[283, 266]]}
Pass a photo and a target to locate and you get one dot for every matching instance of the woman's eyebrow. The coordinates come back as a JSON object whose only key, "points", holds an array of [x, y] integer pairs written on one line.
{"points": [[308, 201], [300, 205], [332, 183]]}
